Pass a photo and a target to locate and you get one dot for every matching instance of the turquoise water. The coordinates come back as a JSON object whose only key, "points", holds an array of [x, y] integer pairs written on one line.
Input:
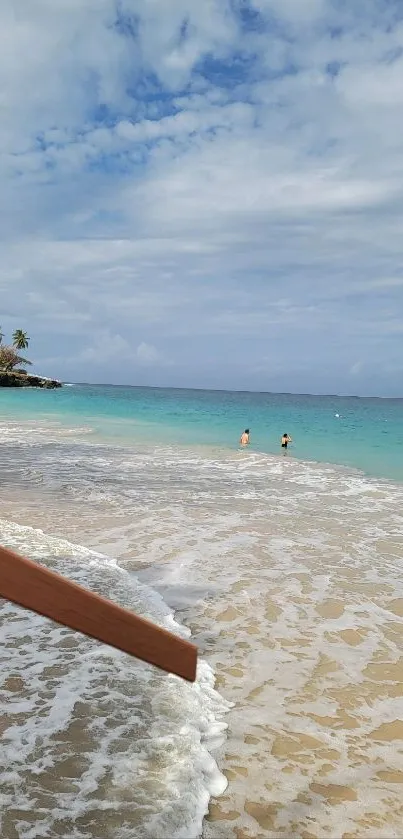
{"points": [[286, 572], [367, 434]]}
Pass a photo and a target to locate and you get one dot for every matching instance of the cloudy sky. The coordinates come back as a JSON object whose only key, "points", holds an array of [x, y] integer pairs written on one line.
{"points": [[205, 193]]}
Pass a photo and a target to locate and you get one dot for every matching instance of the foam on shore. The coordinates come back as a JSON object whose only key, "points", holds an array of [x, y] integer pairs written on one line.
{"points": [[95, 743]]}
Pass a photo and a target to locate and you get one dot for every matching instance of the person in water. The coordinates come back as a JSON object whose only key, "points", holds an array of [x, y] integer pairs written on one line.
{"points": [[245, 437], [285, 440]]}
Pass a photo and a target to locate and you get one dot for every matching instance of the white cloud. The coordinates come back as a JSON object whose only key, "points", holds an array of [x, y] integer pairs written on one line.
{"points": [[356, 368], [106, 347], [148, 354], [293, 11], [222, 191]]}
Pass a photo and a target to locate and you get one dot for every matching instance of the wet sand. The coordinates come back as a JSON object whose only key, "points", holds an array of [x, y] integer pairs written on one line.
{"points": [[297, 604]]}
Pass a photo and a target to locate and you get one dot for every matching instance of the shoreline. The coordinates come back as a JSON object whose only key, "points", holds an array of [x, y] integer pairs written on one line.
{"points": [[290, 594], [213, 729], [369, 439], [87, 436]]}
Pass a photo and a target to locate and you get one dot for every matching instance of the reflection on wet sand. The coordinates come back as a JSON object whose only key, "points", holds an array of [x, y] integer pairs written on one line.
{"points": [[289, 576]]}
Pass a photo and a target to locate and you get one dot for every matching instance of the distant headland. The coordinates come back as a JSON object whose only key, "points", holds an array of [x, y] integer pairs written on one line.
{"points": [[12, 365]]}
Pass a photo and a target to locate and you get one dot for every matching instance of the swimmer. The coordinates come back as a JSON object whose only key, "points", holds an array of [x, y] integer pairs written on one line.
{"points": [[285, 440], [245, 437]]}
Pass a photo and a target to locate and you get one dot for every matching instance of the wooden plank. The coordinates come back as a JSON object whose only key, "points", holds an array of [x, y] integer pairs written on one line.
{"points": [[43, 591]]}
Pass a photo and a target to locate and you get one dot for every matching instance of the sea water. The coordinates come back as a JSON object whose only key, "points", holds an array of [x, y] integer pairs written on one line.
{"points": [[363, 433], [287, 571]]}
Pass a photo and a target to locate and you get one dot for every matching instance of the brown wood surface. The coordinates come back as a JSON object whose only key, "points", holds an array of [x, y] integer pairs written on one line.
{"points": [[36, 588]]}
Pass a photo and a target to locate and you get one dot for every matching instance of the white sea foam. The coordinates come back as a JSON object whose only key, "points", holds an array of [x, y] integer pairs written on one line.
{"points": [[290, 575], [86, 728]]}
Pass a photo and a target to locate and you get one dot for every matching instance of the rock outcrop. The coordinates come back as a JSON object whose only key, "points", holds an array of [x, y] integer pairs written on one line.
{"points": [[21, 379]]}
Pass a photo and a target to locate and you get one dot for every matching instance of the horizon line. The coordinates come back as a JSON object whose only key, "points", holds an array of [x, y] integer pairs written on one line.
{"points": [[226, 390]]}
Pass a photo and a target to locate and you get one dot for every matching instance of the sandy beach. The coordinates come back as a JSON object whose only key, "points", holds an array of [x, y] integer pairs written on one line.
{"points": [[288, 576]]}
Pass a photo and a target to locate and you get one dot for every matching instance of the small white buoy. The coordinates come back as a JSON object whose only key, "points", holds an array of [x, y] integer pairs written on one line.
{"points": [[337, 415]]}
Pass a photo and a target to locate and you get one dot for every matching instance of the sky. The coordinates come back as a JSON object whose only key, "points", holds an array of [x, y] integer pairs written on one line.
{"points": [[205, 194]]}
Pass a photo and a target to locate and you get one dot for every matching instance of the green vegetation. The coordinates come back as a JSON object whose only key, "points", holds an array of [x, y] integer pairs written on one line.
{"points": [[12, 364], [20, 340], [9, 353]]}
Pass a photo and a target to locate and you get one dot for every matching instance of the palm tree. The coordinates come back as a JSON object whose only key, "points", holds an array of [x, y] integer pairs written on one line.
{"points": [[20, 340], [1, 335]]}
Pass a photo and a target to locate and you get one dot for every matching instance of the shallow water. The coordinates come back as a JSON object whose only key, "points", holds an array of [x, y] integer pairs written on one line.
{"points": [[288, 575], [95, 743], [362, 433]]}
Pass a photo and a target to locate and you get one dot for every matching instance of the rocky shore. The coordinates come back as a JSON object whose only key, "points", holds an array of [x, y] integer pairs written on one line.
{"points": [[21, 379]]}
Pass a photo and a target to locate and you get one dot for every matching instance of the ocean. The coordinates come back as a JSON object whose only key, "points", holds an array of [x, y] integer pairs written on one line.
{"points": [[286, 571]]}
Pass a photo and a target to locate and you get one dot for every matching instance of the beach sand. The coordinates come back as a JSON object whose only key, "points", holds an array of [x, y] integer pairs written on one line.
{"points": [[292, 589]]}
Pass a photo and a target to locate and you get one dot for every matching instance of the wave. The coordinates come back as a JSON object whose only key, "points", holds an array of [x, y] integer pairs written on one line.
{"points": [[96, 743]]}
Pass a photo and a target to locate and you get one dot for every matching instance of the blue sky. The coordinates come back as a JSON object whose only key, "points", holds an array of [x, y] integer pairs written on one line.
{"points": [[205, 194]]}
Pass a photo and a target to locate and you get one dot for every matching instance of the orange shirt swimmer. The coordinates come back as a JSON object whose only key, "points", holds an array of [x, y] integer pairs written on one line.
{"points": [[245, 437], [285, 440]]}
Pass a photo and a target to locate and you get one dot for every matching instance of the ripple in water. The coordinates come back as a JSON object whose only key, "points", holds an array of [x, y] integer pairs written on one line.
{"points": [[290, 576], [93, 742]]}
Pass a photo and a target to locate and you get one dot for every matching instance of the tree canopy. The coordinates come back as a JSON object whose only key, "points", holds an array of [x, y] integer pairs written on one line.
{"points": [[9, 354]]}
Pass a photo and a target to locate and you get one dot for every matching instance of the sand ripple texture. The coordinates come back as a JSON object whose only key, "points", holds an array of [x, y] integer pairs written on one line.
{"points": [[94, 743], [289, 575]]}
